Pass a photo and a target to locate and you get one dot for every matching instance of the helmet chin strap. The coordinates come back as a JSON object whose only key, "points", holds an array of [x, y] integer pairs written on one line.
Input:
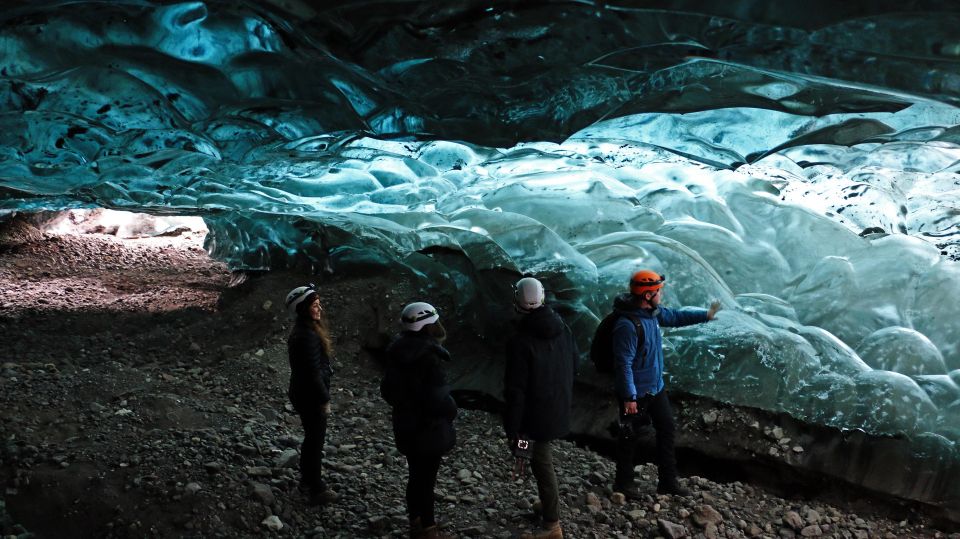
{"points": [[643, 302]]}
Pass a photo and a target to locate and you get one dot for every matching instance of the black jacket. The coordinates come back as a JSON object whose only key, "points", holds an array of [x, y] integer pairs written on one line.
{"points": [[538, 380], [310, 370], [414, 385]]}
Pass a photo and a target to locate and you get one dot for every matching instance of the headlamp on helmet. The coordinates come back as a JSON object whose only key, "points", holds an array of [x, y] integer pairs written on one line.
{"points": [[646, 281]]}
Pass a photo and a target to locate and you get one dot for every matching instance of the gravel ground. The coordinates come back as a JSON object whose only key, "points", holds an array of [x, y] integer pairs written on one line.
{"points": [[143, 388]]}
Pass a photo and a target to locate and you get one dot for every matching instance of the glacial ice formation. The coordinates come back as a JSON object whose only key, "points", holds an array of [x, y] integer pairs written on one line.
{"points": [[801, 173]]}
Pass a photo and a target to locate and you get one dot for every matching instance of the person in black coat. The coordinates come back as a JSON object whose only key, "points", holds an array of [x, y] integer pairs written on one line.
{"points": [[538, 389], [309, 349], [423, 409]]}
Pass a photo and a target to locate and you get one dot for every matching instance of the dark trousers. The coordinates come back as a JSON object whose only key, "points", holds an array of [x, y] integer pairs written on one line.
{"points": [[420, 484], [311, 452], [541, 463], [655, 409]]}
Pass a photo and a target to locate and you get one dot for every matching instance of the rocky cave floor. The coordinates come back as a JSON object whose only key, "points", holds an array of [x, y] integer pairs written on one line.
{"points": [[143, 389]]}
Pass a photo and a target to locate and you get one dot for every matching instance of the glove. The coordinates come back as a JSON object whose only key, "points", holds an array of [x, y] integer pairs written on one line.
{"points": [[522, 451], [626, 431]]}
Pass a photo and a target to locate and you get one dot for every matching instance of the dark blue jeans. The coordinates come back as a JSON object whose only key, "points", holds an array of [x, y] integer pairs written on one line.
{"points": [[311, 452], [655, 409], [420, 484]]}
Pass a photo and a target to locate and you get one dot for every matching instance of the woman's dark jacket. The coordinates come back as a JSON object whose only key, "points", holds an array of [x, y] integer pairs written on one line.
{"points": [[414, 385], [310, 370], [538, 380]]}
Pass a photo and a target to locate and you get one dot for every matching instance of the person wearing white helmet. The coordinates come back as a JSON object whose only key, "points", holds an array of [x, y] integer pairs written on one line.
{"points": [[414, 386], [310, 350], [541, 362]]}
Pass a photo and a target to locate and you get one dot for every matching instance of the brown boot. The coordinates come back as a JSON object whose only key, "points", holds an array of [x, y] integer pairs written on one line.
{"points": [[550, 530], [433, 532], [672, 487], [630, 491], [416, 528], [322, 497]]}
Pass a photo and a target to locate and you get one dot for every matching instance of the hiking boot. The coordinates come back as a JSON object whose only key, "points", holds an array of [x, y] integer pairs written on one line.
{"points": [[416, 528], [322, 497], [673, 488], [550, 530], [433, 532], [630, 492]]}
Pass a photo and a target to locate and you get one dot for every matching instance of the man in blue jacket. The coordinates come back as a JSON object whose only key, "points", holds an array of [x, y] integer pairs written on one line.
{"points": [[638, 366]]}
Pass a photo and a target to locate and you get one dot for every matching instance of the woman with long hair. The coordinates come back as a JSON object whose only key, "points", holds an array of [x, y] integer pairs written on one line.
{"points": [[423, 410], [310, 350]]}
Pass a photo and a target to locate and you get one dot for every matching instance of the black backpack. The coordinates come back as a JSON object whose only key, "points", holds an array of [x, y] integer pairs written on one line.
{"points": [[601, 349]]}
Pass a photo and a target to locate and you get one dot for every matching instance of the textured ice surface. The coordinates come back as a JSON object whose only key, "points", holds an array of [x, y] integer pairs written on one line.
{"points": [[801, 166]]}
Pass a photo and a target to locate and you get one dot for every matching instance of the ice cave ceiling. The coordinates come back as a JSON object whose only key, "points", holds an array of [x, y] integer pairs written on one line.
{"points": [[797, 160]]}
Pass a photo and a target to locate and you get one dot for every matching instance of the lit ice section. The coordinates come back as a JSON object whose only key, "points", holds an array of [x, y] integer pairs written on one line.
{"points": [[820, 322]]}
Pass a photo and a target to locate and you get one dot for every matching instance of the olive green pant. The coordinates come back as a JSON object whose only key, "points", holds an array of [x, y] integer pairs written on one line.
{"points": [[541, 464]]}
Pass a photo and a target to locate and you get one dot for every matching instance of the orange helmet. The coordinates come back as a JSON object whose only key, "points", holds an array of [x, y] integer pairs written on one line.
{"points": [[646, 281]]}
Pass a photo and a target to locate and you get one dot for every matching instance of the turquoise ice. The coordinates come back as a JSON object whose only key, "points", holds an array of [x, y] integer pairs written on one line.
{"points": [[818, 202]]}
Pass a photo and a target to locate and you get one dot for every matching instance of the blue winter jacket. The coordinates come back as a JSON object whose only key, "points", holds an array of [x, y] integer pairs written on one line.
{"points": [[640, 372]]}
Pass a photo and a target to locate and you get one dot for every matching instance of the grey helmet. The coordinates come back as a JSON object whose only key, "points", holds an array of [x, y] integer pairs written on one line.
{"points": [[528, 295], [416, 315], [297, 296]]}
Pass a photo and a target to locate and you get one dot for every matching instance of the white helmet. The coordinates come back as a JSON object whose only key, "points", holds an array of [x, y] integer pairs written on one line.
{"points": [[529, 295], [297, 296], [416, 315]]}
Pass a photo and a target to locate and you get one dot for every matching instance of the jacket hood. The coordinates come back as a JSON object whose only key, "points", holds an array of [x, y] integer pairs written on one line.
{"points": [[544, 323], [410, 346], [624, 304]]}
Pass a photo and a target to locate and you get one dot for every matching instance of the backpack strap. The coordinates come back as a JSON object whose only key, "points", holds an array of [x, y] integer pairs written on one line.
{"points": [[639, 326]]}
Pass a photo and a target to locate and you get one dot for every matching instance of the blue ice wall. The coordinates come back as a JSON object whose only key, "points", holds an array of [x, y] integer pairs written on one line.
{"points": [[799, 163]]}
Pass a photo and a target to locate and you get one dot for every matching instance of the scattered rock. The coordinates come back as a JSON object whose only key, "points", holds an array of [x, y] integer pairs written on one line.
{"points": [[792, 519], [671, 530], [263, 493], [290, 458], [378, 524], [272, 522], [705, 514], [593, 502]]}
